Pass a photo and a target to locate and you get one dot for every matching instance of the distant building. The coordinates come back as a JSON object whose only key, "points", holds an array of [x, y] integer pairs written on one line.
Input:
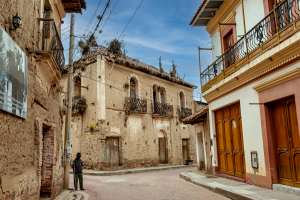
{"points": [[252, 88], [127, 114]]}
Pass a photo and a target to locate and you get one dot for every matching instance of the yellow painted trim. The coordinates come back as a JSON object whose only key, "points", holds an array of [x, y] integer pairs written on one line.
{"points": [[282, 78], [283, 53], [224, 15]]}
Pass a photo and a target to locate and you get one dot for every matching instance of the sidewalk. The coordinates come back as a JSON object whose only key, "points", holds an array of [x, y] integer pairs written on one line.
{"points": [[72, 195], [131, 171], [233, 189]]}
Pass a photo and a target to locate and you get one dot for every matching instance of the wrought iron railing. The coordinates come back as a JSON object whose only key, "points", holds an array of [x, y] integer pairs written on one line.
{"points": [[280, 17], [51, 42], [162, 109], [184, 113], [135, 105]]}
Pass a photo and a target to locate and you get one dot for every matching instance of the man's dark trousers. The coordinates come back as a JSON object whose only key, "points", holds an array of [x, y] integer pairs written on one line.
{"points": [[78, 176]]}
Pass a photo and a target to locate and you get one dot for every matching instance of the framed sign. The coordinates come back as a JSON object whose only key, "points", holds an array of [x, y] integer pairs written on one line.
{"points": [[13, 76], [254, 160]]}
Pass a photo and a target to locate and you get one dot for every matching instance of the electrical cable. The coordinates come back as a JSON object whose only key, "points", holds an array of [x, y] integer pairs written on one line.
{"points": [[131, 19]]}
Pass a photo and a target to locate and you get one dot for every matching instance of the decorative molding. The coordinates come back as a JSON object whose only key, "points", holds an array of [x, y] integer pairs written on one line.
{"points": [[184, 98], [257, 68], [224, 15], [287, 76], [139, 85]]}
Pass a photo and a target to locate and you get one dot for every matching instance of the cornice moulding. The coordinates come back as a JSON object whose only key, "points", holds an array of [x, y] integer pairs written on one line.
{"points": [[224, 15], [282, 78]]}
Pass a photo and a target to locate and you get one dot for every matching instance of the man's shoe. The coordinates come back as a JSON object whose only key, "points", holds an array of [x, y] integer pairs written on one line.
{"points": [[76, 189], [81, 189]]}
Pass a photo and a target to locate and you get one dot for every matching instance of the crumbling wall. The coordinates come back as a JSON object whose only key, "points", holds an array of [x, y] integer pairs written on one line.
{"points": [[137, 133], [20, 139]]}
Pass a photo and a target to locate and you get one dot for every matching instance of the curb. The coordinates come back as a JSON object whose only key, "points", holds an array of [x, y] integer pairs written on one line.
{"points": [[220, 191], [133, 171]]}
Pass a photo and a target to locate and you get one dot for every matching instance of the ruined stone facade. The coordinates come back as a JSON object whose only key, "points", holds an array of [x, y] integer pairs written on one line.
{"points": [[121, 138], [31, 148]]}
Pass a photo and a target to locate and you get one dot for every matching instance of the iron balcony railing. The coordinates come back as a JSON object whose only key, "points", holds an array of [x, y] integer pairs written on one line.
{"points": [[184, 113], [51, 42], [135, 105], [280, 17], [162, 109]]}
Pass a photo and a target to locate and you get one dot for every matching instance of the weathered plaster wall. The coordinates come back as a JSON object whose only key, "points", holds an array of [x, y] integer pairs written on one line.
{"points": [[20, 139], [138, 135]]}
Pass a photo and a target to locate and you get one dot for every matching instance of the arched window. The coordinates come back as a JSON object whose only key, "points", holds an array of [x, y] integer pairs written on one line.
{"points": [[162, 96], [181, 96], [77, 84], [133, 88]]}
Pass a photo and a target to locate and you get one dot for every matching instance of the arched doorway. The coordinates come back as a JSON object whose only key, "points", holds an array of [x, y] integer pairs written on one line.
{"points": [[162, 147]]}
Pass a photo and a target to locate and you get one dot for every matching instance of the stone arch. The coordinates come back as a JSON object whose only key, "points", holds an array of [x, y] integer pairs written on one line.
{"points": [[77, 86], [181, 93], [163, 87], [162, 137], [137, 82]]}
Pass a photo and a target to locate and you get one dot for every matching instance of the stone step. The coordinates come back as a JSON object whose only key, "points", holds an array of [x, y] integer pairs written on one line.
{"points": [[286, 189]]}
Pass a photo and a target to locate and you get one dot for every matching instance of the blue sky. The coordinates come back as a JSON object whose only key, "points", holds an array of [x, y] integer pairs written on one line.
{"points": [[159, 28]]}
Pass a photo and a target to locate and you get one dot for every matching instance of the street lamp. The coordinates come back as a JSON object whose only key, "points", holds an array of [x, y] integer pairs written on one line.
{"points": [[16, 23]]}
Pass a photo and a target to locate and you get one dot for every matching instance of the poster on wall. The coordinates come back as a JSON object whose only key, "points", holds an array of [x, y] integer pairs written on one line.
{"points": [[13, 76]]}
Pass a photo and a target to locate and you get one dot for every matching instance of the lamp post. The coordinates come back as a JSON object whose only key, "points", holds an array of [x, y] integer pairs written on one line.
{"points": [[16, 22]]}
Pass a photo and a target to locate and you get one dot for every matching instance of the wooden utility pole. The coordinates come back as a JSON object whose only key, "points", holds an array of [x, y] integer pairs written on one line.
{"points": [[67, 147]]}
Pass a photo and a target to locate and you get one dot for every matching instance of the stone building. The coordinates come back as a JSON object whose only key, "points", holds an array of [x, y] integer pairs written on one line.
{"points": [[127, 114], [31, 61]]}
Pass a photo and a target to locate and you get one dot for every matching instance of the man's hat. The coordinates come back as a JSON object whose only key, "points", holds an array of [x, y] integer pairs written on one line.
{"points": [[78, 154]]}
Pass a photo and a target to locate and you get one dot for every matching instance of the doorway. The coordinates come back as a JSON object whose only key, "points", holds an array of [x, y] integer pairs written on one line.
{"points": [[185, 151], [230, 143], [287, 141], [112, 152], [47, 161]]}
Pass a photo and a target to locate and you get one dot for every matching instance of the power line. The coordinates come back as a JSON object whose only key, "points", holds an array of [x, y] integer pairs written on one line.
{"points": [[91, 20], [130, 19]]}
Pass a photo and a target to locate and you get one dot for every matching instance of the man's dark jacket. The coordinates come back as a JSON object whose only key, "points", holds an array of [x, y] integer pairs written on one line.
{"points": [[78, 165]]}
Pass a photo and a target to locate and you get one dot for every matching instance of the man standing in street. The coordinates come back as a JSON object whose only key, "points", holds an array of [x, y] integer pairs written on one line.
{"points": [[77, 169]]}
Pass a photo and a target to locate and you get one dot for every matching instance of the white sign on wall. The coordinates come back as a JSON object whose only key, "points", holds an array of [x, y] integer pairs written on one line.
{"points": [[13, 76]]}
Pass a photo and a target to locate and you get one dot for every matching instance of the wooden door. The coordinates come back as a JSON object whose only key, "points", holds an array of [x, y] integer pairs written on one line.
{"points": [[287, 142], [184, 150], [230, 143], [162, 150], [112, 152]]}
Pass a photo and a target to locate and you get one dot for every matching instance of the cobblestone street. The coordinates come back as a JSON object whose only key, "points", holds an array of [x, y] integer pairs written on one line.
{"points": [[149, 185]]}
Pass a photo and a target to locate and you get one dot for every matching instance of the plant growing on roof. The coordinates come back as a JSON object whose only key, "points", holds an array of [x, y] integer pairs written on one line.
{"points": [[115, 47], [173, 72], [161, 70]]}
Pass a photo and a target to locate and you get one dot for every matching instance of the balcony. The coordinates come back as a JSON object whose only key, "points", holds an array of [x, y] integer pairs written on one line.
{"points": [[162, 109], [278, 25], [184, 113], [135, 105]]}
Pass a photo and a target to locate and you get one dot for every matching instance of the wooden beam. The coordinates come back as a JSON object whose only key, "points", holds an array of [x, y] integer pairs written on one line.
{"points": [[205, 17], [216, 0], [211, 9]]}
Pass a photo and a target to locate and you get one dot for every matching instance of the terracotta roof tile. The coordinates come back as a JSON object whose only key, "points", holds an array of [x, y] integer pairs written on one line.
{"points": [[195, 116]]}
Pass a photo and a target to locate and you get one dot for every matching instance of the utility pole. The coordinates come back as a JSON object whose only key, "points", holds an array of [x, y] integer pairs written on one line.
{"points": [[67, 147]]}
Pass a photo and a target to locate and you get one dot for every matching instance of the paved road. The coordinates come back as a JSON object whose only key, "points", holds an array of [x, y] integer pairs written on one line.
{"points": [[149, 185]]}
